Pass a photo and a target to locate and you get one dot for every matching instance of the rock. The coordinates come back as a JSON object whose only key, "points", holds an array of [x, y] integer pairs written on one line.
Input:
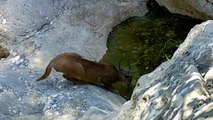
{"points": [[35, 31], [201, 9], [23, 98], [4, 36], [176, 89], [15, 59], [78, 26]]}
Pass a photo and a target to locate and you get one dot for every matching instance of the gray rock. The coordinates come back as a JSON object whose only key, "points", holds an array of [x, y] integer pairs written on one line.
{"points": [[23, 98], [35, 31], [200, 9], [176, 89], [37, 25]]}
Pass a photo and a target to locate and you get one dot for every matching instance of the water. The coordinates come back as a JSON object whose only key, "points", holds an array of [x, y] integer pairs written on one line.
{"points": [[145, 42]]}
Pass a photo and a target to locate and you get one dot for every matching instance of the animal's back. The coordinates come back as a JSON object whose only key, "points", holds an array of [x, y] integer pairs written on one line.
{"points": [[94, 71], [78, 67], [74, 66], [59, 63]]}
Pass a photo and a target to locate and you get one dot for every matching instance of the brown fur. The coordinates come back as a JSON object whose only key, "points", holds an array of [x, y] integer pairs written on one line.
{"points": [[79, 70]]}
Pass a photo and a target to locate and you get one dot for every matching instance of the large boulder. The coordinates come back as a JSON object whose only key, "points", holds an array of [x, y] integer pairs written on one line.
{"points": [[177, 89], [200, 9], [35, 31], [21, 98]]}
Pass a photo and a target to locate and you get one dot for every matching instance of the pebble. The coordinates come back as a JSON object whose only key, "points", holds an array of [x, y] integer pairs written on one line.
{"points": [[19, 78], [57, 113], [61, 96], [20, 113], [19, 61], [4, 21], [1, 90], [14, 111], [48, 113], [54, 106], [2, 76], [13, 60]]}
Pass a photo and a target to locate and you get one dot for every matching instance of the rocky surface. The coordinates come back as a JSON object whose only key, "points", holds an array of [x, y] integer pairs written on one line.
{"points": [[176, 89], [200, 9], [35, 31]]}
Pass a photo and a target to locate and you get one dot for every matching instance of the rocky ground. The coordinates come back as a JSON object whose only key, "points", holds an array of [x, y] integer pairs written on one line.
{"points": [[35, 31]]}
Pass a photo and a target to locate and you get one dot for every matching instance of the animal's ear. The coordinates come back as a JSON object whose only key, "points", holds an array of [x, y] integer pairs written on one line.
{"points": [[119, 66], [128, 75]]}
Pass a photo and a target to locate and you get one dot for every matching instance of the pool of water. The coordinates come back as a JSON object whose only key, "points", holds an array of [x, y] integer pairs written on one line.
{"points": [[145, 42]]}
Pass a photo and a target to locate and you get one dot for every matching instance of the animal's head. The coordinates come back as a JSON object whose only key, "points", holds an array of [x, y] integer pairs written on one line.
{"points": [[124, 75]]}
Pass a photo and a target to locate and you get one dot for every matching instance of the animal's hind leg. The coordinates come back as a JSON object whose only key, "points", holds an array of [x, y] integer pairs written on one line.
{"points": [[74, 80], [67, 77]]}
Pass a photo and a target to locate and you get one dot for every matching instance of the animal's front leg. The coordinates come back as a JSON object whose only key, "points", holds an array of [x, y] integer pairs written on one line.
{"points": [[110, 88], [108, 85]]}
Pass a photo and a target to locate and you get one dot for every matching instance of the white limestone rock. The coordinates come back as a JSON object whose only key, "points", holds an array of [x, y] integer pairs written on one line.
{"points": [[35, 31], [176, 89], [200, 9]]}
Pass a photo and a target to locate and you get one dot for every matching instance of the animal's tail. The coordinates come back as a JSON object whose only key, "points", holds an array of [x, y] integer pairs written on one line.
{"points": [[47, 72]]}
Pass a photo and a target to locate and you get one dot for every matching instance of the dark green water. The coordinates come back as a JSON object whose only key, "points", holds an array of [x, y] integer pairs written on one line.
{"points": [[145, 42]]}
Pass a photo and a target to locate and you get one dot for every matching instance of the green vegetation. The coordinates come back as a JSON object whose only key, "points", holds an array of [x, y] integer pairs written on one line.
{"points": [[146, 42]]}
